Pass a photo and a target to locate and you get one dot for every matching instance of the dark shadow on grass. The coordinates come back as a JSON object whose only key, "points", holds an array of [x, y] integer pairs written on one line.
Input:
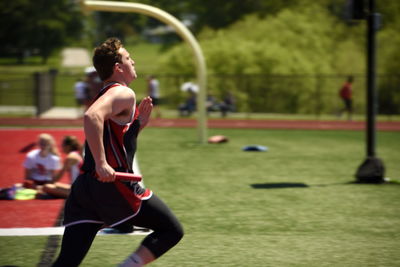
{"points": [[303, 185], [279, 185]]}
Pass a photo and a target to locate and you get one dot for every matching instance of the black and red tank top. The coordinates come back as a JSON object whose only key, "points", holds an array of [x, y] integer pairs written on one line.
{"points": [[119, 141]]}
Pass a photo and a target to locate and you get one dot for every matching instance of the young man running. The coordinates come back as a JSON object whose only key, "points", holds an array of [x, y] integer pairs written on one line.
{"points": [[97, 199]]}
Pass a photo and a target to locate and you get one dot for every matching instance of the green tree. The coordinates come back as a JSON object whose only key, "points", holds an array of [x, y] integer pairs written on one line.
{"points": [[205, 13], [297, 42], [388, 57], [220, 14], [38, 26]]}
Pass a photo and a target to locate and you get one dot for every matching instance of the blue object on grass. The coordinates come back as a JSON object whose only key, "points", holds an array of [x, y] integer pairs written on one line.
{"points": [[255, 148], [114, 231]]}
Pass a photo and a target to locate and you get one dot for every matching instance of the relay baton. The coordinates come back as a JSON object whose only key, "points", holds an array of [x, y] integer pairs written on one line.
{"points": [[128, 176]]}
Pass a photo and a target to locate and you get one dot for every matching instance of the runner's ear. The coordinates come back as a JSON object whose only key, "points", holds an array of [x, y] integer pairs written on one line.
{"points": [[117, 67]]}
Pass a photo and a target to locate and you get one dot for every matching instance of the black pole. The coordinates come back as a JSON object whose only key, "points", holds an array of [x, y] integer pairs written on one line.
{"points": [[372, 169], [371, 78]]}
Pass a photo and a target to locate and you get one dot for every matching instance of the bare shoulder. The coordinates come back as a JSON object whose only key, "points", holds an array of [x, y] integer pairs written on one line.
{"points": [[74, 155], [120, 97], [121, 91], [123, 104]]}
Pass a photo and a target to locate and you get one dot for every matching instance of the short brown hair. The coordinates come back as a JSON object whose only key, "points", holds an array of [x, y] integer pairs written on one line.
{"points": [[105, 56], [72, 142]]}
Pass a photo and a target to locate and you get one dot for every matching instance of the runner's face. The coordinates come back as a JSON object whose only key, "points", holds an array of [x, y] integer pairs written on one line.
{"points": [[127, 66]]}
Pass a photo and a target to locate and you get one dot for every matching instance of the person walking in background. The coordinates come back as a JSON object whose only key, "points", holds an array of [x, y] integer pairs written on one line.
{"points": [[153, 90], [346, 94], [81, 89], [112, 124], [94, 84]]}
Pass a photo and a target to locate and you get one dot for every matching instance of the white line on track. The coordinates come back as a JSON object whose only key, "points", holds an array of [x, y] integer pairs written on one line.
{"points": [[45, 231]]}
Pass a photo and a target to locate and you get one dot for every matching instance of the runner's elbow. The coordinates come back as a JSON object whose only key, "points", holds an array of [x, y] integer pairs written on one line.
{"points": [[91, 117]]}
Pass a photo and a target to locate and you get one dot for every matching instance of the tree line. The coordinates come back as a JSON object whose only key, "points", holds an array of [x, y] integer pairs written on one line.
{"points": [[43, 26], [248, 37]]}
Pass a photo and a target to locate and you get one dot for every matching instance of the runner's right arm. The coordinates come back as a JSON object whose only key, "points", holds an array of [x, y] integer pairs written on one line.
{"points": [[115, 101]]}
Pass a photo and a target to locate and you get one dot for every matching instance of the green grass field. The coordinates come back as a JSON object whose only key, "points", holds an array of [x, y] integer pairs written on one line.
{"points": [[294, 205]]}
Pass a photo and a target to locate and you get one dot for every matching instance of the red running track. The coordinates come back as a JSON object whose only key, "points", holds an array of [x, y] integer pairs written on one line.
{"points": [[221, 123], [26, 213]]}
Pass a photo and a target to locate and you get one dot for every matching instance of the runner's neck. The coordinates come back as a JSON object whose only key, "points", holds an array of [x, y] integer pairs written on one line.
{"points": [[109, 83]]}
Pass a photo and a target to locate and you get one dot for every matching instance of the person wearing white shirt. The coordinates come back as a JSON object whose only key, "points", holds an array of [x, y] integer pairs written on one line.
{"points": [[153, 90], [41, 165]]}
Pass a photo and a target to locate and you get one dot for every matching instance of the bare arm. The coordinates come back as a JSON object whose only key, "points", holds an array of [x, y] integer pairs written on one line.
{"points": [[114, 102], [68, 163], [57, 176]]}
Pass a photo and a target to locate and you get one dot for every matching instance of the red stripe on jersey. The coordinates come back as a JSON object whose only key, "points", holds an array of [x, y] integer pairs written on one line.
{"points": [[111, 160], [114, 147], [117, 141], [133, 200], [136, 114], [128, 125]]}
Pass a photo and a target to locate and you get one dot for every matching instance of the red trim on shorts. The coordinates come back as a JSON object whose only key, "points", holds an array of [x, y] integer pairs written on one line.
{"points": [[133, 199], [129, 196]]}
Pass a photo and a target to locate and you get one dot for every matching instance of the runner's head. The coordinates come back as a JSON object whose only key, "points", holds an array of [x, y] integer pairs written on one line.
{"points": [[106, 56], [111, 58]]}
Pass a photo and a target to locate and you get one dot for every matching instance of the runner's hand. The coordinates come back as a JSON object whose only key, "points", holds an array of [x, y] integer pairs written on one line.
{"points": [[105, 173], [145, 108]]}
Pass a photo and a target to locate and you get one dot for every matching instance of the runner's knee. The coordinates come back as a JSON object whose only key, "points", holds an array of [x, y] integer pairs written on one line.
{"points": [[161, 241]]}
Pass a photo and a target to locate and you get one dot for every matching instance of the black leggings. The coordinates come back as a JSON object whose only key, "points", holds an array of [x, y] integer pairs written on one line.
{"points": [[154, 214]]}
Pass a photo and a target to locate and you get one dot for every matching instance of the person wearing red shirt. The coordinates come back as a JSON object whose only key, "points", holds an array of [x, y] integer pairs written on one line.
{"points": [[346, 94]]}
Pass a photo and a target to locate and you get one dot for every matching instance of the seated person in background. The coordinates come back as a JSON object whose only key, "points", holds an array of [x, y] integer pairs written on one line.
{"points": [[228, 104], [72, 164], [187, 108], [41, 165], [211, 103]]}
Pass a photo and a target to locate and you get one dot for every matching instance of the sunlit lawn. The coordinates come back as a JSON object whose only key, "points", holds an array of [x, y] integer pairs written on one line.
{"points": [[294, 205]]}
